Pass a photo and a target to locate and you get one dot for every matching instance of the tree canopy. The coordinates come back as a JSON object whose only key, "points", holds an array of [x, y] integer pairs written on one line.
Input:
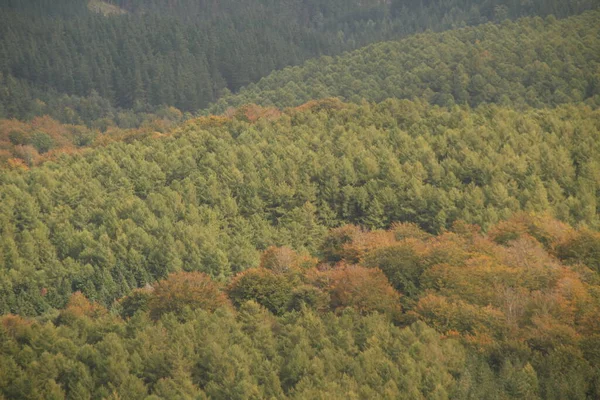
{"points": [[60, 58], [415, 219], [531, 62], [488, 318], [214, 193]]}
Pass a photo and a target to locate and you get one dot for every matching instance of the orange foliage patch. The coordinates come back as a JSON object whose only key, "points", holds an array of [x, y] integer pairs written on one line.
{"points": [[80, 306], [350, 243], [17, 163], [364, 289], [284, 259], [14, 324], [253, 112], [185, 289], [506, 285], [18, 139], [545, 229]]}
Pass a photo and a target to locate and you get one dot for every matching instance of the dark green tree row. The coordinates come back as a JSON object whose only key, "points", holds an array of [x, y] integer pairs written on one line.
{"points": [[531, 62], [79, 67], [50, 8], [217, 191]]}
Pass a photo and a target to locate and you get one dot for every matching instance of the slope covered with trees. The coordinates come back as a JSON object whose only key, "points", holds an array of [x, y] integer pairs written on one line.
{"points": [[528, 63], [416, 219], [24, 144], [506, 319], [531, 62], [58, 58], [212, 194]]}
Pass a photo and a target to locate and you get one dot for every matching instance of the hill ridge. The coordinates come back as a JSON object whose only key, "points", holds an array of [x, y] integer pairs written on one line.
{"points": [[450, 67]]}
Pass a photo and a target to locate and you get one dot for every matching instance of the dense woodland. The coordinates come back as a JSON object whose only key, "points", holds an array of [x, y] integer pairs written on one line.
{"points": [[413, 219], [384, 314], [532, 62], [82, 67], [212, 194]]}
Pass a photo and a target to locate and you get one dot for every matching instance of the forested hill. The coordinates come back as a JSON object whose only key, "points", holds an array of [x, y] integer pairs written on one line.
{"points": [[61, 59], [415, 219], [201, 264], [531, 62], [214, 194], [496, 316], [198, 222]]}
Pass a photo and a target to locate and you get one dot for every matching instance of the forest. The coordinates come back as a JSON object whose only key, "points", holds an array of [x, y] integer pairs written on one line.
{"points": [[59, 58], [391, 314], [299, 199], [532, 62], [215, 192]]}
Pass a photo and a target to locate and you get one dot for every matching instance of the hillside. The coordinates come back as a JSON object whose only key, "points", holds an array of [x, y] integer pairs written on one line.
{"points": [[60, 59], [24, 144], [216, 192], [531, 62], [414, 219], [461, 315]]}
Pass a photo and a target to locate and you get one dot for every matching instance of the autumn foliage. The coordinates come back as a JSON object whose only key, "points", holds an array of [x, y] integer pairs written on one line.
{"points": [[80, 307], [351, 286], [185, 289], [509, 285], [350, 243], [284, 259], [520, 299]]}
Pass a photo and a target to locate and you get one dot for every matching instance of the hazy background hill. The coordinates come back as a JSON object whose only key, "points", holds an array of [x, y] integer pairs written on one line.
{"points": [[531, 62], [79, 66]]}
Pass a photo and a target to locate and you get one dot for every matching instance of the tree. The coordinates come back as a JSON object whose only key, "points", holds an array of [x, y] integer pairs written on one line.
{"points": [[269, 289], [364, 289], [401, 264], [584, 247], [185, 289]]}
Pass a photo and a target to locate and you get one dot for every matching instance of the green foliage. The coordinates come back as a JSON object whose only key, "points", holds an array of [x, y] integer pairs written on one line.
{"points": [[271, 290], [61, 59], [309, 296], [216, 192], [17, 138], [120, 254], [219, 355], [401, 265], [510, 322], [521, 64], [137, 300], [42, 142], [584, 247]]}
